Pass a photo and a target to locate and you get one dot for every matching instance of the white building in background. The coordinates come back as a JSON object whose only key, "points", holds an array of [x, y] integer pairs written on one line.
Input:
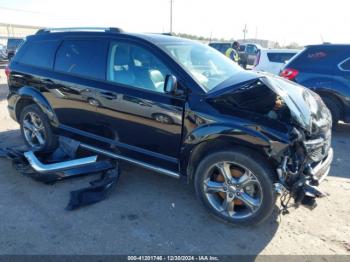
{"points": [[264, 43], [17, 31]]}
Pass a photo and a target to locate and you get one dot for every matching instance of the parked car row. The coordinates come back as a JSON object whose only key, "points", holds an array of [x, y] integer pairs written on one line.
{"points": [[247, 52]]}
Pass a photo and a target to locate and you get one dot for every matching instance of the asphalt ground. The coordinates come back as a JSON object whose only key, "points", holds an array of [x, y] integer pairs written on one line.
{"points": [[152, 214]]}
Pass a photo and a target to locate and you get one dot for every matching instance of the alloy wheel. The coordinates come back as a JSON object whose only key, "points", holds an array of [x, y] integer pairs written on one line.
{"points": [[34, 130], [233, 190]]}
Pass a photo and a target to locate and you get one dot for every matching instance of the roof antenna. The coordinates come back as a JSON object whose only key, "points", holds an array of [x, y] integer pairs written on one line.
{"points": [[322, 38]]}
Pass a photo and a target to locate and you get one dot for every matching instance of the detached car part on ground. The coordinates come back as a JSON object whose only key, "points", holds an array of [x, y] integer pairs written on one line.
{"points": [[68, 160], [242, 137]]}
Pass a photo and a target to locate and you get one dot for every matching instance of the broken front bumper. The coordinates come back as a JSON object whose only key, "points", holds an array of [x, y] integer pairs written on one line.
{"points": [[321, 170]]}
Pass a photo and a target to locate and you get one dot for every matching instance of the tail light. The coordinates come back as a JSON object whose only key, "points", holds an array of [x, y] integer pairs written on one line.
{"points": [[289, 73], [7, 72], [257, 59]]}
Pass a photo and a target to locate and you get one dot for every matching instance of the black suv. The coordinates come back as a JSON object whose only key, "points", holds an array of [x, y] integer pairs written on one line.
{"points": [[177, 107], [325, 69]]}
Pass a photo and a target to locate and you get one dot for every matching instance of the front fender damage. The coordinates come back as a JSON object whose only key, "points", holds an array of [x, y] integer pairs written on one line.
{"points": [[298, 126]]}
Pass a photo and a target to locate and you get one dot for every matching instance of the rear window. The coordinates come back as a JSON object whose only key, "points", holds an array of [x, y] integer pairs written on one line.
{"points": [[37, 53], [241, 48], [12, 44], [345, 65], [251, 49], [221, 47], [83, 57], [280, 57]]}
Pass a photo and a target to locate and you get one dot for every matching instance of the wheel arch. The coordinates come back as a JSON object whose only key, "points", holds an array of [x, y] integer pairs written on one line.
{"points": [[29, 95], [330, 88], [192, 154], [335, 98]]}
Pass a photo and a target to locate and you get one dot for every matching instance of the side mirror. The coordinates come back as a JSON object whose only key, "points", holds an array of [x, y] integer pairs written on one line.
{"points": [[170, 86]]}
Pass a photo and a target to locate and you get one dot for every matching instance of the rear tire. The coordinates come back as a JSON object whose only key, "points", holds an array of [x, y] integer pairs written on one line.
{"points": [[334, 107], [36, 129], [261, 201]]}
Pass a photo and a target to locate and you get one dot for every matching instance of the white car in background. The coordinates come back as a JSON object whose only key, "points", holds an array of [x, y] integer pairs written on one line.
{"points": [[272, 60]]}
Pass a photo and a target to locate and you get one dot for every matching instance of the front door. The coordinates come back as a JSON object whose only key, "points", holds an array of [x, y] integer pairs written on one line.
{"points": [[145, 122]]}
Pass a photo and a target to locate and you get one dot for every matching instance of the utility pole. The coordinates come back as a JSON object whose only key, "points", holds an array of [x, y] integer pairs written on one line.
{"points": [[171, 16], [245, 31]]}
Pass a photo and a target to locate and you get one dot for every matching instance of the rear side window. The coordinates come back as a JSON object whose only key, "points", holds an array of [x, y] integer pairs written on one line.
{"points": [[280, 57], [345, 66], [83, 57], [37, 53]]}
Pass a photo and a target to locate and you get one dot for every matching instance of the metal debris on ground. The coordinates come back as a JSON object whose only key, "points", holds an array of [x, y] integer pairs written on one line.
{"points": [[67, 161]]}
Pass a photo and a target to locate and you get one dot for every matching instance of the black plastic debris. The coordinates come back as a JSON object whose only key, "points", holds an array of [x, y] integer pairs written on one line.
{"points": [[98, 190], [67, 161]]}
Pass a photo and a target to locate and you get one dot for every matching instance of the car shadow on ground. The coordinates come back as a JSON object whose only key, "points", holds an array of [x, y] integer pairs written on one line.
{"points": [[146, 214], [3, 92]]}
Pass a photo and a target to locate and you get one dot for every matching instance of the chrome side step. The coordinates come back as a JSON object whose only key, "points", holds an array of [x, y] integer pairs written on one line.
{"points": [[61, 166], [130, 160]]}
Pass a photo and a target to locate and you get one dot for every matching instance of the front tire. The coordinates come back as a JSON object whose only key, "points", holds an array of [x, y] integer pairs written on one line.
{"points": [[236, 186], [36, 129]]}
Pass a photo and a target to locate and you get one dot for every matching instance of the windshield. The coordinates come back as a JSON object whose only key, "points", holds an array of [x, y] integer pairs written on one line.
{"points": [[205, 64]]}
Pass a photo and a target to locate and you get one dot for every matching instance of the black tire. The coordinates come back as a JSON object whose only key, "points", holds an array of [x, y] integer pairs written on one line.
{"points": [[256, 164], [50, 140], [334, 107]]}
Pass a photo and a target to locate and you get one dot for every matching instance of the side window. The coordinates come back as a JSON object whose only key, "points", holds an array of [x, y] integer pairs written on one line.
{"points": [[37, 53], [345, 66], [82, 57], [132, 65], [280, 57]]}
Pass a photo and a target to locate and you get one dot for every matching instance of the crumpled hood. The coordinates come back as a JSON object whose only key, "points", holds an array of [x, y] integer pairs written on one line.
{"points": [[306, 107]]}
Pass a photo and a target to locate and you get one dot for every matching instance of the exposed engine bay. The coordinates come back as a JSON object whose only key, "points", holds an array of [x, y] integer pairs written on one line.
{"points": [[307, 156]]}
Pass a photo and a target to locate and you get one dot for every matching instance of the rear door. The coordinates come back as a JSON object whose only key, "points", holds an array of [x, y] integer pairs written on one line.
{"points": [[79, 68], [145, 123]]}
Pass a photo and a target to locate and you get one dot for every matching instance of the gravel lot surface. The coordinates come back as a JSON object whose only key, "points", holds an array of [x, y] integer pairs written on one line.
{"points": [[152, 214]]}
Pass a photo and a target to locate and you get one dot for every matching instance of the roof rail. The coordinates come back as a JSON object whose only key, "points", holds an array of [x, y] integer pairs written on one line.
{"points": [[80, 29]]}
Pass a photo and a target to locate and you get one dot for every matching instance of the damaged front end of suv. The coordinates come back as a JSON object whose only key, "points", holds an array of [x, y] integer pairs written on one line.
{"points": [[302, 161], [306, 162]]}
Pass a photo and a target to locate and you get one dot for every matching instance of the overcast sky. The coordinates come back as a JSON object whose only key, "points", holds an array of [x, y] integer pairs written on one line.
{"points": [[302, 21]]}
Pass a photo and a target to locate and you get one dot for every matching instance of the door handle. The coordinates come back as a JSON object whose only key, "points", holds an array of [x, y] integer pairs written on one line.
{"points": [[108, 95]]}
